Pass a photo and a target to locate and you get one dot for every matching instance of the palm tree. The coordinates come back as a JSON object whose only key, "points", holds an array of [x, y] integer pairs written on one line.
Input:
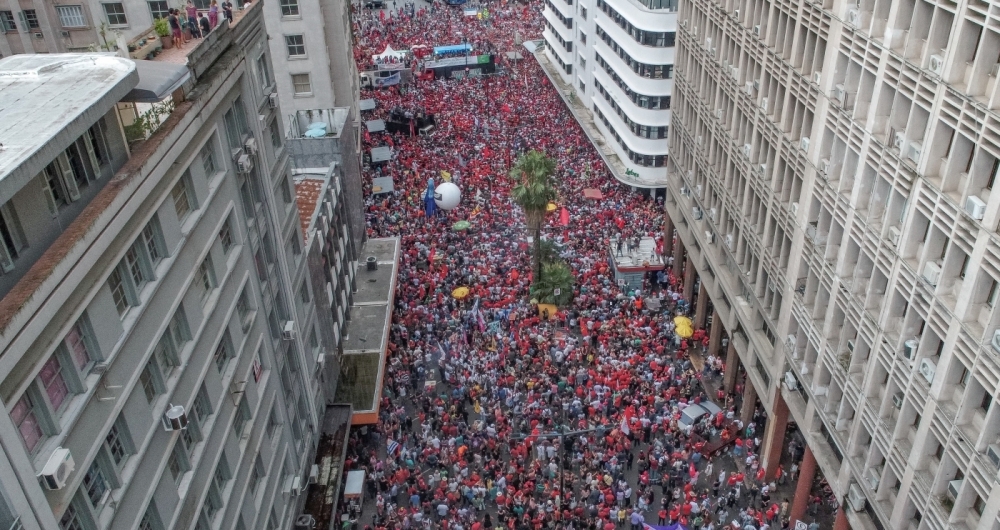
{"points": [[533, 192], [557, 277]]}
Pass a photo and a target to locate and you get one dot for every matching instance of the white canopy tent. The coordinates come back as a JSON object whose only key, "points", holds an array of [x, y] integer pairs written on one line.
{"points": [[389, 53]]}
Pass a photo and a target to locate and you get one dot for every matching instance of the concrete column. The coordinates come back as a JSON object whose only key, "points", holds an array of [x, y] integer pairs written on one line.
{"points": [[749, 402], [840, 523], [774, 436], [689, 277], [732, 366], [807, 471], [715, 334], [668, 234], [701, 308], [678, 258]]}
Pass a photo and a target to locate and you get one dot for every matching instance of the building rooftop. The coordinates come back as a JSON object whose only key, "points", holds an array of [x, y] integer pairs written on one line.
{"points": [[44, 96]]}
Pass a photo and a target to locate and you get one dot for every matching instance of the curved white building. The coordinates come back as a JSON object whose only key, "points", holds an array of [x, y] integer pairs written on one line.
{"points": [[618, 57]]}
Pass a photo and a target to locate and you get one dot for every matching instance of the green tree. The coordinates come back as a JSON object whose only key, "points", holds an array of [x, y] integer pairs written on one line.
{"points": [[555, 276], [533, 192]]}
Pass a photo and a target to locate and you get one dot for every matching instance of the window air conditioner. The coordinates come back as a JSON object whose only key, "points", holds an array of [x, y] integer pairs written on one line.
{"points": [[684, 23], [910, 348], [763, 105], [975, 207], [850, 345], [736, 13], [729, 241], [175, 418], [698, 191], [936, 64], [244, 164], [804, 143], [251, 145], [314, 474], [927, 368], [817, 77], [748, 88], [897, 400], [305, 522], [894, 235], [272, 100], [57, 469], [708, 42], [824, 166], [820, 390], [873, 477], [856, 497], [839, 94], [932, 273], [953, 487], [993, 453], [996, 341], [756, 30], [795, 208], [790, 382], [853, 16], [296, 486], [899, 140], [288, 332], [746, 149], [712, 212], [756, 84], [696, 213], [763, 168], [709, 236], [913, 153], [698, 140], [718, 114], [685, 191]]}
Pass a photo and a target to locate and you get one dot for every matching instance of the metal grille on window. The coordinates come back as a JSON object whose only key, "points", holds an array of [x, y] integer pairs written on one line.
{"points": [[71, 16]]}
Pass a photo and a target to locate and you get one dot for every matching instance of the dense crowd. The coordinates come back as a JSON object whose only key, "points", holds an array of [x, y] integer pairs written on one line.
{"points": [[481, 392]]}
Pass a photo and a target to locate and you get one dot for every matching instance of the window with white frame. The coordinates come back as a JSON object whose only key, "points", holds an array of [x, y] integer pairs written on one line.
{"points": [[296, 45], [158, 9], [256, 474], [236, 124], [276, 137], [118, 443], [289, 8], [152, 239], [25, 417], [53, 381], [273, 421], [117, 286], [222, 474], [7, 23], [301, 85], [202, 408], [177, 464], [71, 16], [223, 353], [263, 71], [115, 13], [183, 196], [226, 237], [150, 518], [29, 17], [96, 484], [244, 309], [208, 158], [72, 519], [204, 280], [150, 381], [243, 417], [79, 344]]}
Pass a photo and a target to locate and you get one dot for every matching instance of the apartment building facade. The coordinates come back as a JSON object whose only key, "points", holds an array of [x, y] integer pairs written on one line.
{"points": [[160, 347], [617, 58], [831, 175]]}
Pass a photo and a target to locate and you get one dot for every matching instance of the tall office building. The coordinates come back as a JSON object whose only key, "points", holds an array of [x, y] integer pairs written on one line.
{"points": [[616, 58], [831, 176], [161, 344]]}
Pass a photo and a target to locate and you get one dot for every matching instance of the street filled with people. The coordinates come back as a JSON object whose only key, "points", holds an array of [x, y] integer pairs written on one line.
{"points": [[496, 414]]}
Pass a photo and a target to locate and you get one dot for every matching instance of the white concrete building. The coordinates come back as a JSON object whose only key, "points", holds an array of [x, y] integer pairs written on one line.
{"points": [[160, 353], [617, 56], [831, 177]]}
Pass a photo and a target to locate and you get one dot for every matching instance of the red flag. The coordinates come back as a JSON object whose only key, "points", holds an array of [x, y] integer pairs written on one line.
{"points": [[626, 418], [564, 217]]}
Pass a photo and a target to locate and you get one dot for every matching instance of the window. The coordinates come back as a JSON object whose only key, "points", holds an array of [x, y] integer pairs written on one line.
{"points": [[304, 293], [76, 345], [272, 520], [208, 158], [286, 192], [115, 13], [54, 382], [71, 519], [273, 423], [7, 21], [96, 484], [986, 402], [979, 505], [158, 9], [236, 124], [289, 8], [991, 298], [96, 137], [30, 18], [27, 423], [242, 417], [177, 464], [152, 240], [244, 310], [263, 71], [296, 45], [150, 519], [256, 473], [71, 16], [147, 380], [276, 139], [204, 280], [135, 267], [12, 235], [223, 352], [116, 442], [222, 474], [202, 408], [183, 198], [226, 237], [301, 84], [294, 246], [583, 12]]}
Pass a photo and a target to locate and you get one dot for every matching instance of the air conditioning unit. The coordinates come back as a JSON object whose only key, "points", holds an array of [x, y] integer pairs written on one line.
{"points": [[696, 213], [894, 235], [698, 191], [932, 273], [709, 236], [790, 382], [734, 71], [756, 30], [314, 474], [936, 64], [953, 487], [57, 469], [748, 88], [729, 241], [756, 84], [288, 331], [736, 13], [685, 191], [38, 35], [996, 341], [296, 486], [839, 94], [913, 153], [927, 368], [272, 100], [763, 104], [698, 140], [856, 497], [804, 143], [899, 140], [975, 207], [746, 149], [817, 77], [795, 208], [850, 345], [305, 522], [820, 390], [250, 146], [853, 16], [762, 168], [684, 23], [824, 166], [713, 52], [993, 453], [897, 400], [712, 212], [175, 418], [708, 42], [64, 33], [718, 114], [910, 348], [873, 476], [244, 164]]}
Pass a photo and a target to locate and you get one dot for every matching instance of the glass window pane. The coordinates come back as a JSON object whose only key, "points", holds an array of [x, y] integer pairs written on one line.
{"points": [[54, 383]]}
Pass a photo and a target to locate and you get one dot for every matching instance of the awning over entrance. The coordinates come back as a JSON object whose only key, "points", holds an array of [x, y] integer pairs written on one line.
{"points": [[157, 81]]}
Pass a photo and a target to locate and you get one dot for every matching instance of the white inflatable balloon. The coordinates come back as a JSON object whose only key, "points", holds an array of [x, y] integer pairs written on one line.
{"points": [[447, 196]]}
